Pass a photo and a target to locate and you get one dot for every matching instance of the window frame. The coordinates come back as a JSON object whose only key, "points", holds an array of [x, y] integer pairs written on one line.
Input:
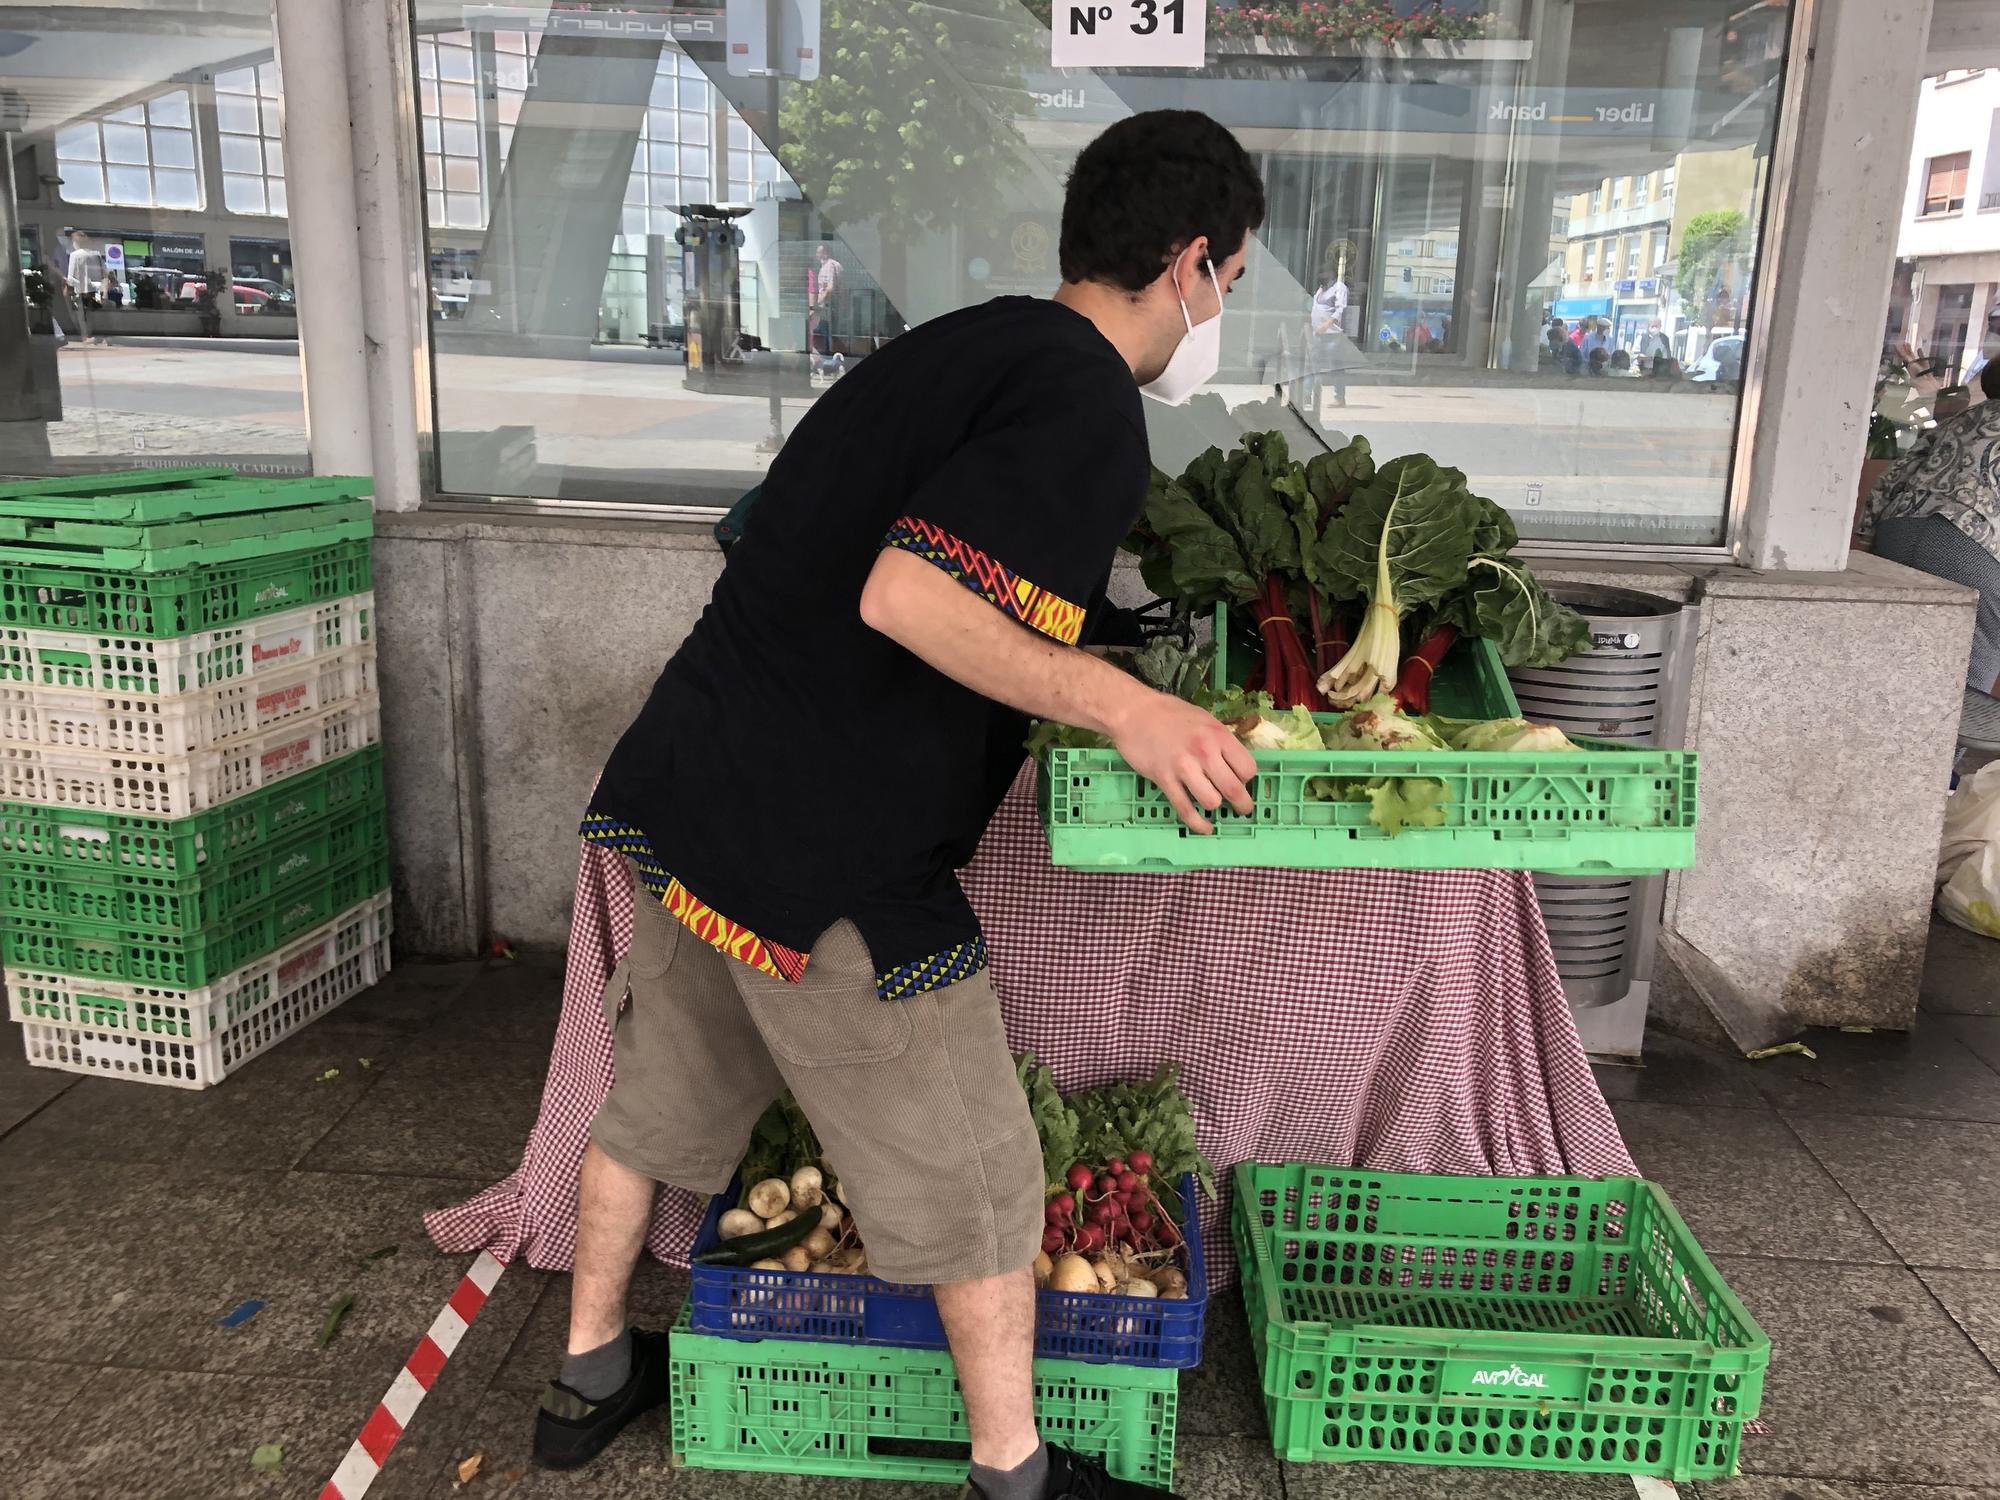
{"points": [[1951, 206]]}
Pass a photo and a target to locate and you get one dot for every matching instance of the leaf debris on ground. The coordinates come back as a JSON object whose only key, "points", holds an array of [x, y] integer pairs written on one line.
{"points": [[468, 1470], [1780, 1050], [328, 1074], [376, 1256], [342, 1305], [268, 1458]]}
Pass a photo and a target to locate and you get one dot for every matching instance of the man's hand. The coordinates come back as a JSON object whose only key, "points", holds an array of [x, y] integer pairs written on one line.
{"points": [[1188, 754]]}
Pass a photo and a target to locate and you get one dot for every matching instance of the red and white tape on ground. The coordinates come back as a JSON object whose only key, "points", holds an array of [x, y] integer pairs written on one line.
{"points": [[412, 1383]]}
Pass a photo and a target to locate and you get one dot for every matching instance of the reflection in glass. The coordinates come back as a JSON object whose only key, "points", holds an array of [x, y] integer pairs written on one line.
{"points": [[1456, 227], [140, 178]]}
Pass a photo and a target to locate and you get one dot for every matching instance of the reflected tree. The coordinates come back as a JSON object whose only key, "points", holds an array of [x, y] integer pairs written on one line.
{"points": [[911, 123]]}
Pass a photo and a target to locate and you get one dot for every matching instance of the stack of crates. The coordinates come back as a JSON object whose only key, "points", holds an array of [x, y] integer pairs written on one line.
{"points": [[796, 1372], [194, 856]]}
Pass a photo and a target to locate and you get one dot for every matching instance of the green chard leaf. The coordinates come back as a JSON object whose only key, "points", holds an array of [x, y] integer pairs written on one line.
{"points": [[1204, 563], [1508, 605], [1333, 477], [1430, 522]]}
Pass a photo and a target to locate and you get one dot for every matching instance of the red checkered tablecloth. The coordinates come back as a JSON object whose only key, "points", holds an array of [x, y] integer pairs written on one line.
{"points": [[1404, 1021]]}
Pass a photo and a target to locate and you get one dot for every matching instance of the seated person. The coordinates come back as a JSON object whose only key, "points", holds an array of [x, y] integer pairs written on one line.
{"points": [[1938, 511]]}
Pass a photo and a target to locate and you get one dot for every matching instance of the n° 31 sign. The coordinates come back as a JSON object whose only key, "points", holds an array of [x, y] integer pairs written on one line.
{"points": [[1128, 33]]}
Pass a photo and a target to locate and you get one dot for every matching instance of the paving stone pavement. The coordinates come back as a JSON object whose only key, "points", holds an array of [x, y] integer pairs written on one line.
{"points": [[1853, 1203]]}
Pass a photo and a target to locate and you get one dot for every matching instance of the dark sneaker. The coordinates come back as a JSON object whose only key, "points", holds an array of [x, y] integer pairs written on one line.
{"points": [[1074, 1477], [570, 1431]]}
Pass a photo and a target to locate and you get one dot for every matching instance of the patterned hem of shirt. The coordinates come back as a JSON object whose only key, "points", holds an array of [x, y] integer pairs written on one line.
{"points": [[734, 940], [1034, 606]]}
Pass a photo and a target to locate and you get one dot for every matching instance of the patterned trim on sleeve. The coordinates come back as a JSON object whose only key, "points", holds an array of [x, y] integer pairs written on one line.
{"points": [[731, 939], [1030, 603]]}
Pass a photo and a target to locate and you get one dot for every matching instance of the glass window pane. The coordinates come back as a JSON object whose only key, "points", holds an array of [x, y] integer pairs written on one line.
{"points": [[132, 185], [427, 97], [510, 72], [508, 107], [172, 189], [433, 172], [662, 95], [173, 148], [460, 138], [509, 41], [665, 221], [125, 143], [455, 64], [276, 191], [271, 114], [694, 126], [274, 158], [694, 162], [433, 141], [242, 195], [660, 157], [236, 115], [131, 114], [461, 174], [240, 153], [174, 111], [463, 211], [236, 81], [81, 183], [633, 221], [434, 206], [427, 62], [78, 143], [458, 101], [739, 133]]}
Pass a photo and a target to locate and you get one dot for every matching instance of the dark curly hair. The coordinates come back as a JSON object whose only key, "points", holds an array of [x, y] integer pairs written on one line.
{"points": [[1146, 187]]}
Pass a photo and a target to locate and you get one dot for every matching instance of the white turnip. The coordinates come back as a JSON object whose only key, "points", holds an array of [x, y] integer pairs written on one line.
{"points": [[819, 1244], [1141, 1289], [768, 1198], [1043, 1266], [739, 1222], [781, 1218], [807, 1187], [767, 1264], [1072, 1274], [796, 1258]]}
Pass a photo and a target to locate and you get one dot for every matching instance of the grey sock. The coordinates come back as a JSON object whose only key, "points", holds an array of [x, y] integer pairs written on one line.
{"points": [[599, 1372], [1024, 1483]]}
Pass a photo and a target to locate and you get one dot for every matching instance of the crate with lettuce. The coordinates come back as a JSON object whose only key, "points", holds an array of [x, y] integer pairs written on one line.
{"points": [[1370, 613]]}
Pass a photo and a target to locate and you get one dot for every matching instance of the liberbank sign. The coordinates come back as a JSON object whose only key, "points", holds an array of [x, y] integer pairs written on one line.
{"points": [[1084, 96]]}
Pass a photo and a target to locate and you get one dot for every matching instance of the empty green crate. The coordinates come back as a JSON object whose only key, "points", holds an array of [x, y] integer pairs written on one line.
{"points": [[191, 492], [1606, 809], [878, 1412], [188, 960], [64, 841], [1557, 1323], [51, 595], [213, 897]]}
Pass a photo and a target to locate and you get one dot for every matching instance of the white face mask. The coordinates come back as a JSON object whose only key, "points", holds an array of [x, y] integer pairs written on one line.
{"points": [[1196, 357]]}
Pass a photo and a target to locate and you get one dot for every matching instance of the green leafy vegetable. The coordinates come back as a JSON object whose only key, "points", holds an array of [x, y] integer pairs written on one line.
{"points": [[268, 1458], [1403, 539], [1095, 1125], [335, 1316], [1379, 725], [1511, 735]]}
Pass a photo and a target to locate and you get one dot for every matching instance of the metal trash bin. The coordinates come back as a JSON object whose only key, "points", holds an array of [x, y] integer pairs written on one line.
{"points": [[1633, 685]]}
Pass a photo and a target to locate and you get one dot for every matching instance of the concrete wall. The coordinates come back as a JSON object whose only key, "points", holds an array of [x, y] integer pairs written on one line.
{"points": [[515, 653]]}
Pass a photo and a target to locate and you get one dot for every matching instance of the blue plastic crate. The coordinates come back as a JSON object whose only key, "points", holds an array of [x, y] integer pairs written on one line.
{"points": [[728, 1302]]}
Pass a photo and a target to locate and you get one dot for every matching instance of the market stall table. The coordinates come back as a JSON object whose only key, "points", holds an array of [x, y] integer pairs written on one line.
{"points": [[1403, 1021]]}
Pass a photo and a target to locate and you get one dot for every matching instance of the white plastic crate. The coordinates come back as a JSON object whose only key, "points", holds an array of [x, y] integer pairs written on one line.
{"points": [[228, 1022], [179, 786], [156, 726], [129, 666]]}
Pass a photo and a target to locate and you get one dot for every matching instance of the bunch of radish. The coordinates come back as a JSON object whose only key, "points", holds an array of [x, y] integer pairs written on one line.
{"points": [[1108, 1232]]}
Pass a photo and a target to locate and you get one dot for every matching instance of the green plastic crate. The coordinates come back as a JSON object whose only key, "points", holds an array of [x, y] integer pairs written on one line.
{"points": [[1608, 809], [210, 898], [148, 496], [69, 841], [102, 950], [875, 1411], [47, 594], [1556, 1323], [165, 546]]}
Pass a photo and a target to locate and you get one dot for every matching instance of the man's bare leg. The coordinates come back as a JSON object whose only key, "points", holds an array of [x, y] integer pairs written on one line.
{"points": [[991, 1326], [614, 1206]]}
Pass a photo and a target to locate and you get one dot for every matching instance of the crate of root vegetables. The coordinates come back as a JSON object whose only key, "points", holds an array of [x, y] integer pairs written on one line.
{"points": [[1374, 613], [1120, 1277]]}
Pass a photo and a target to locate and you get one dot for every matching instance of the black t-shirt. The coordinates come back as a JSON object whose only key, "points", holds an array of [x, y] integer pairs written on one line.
{"points": [[793, 766]]}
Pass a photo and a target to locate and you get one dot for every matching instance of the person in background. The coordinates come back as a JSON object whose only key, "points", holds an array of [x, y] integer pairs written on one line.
{"points": [[1328, 346], [1621, 362], [1595, 338], [1562, 348], [1653, 342], [1938, 511], [111, 294], [822, 287], [1599, 360]]}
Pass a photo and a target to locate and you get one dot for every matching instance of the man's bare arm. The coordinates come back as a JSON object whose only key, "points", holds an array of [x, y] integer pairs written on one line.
{"points": [[1182, 749]]}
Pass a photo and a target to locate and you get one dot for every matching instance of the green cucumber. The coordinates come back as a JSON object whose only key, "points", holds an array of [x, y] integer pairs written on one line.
{"points": [[766, 1244]]}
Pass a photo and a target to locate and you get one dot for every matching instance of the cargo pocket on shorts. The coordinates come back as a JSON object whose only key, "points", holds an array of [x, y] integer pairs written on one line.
{"points": [[833, 1016]]}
